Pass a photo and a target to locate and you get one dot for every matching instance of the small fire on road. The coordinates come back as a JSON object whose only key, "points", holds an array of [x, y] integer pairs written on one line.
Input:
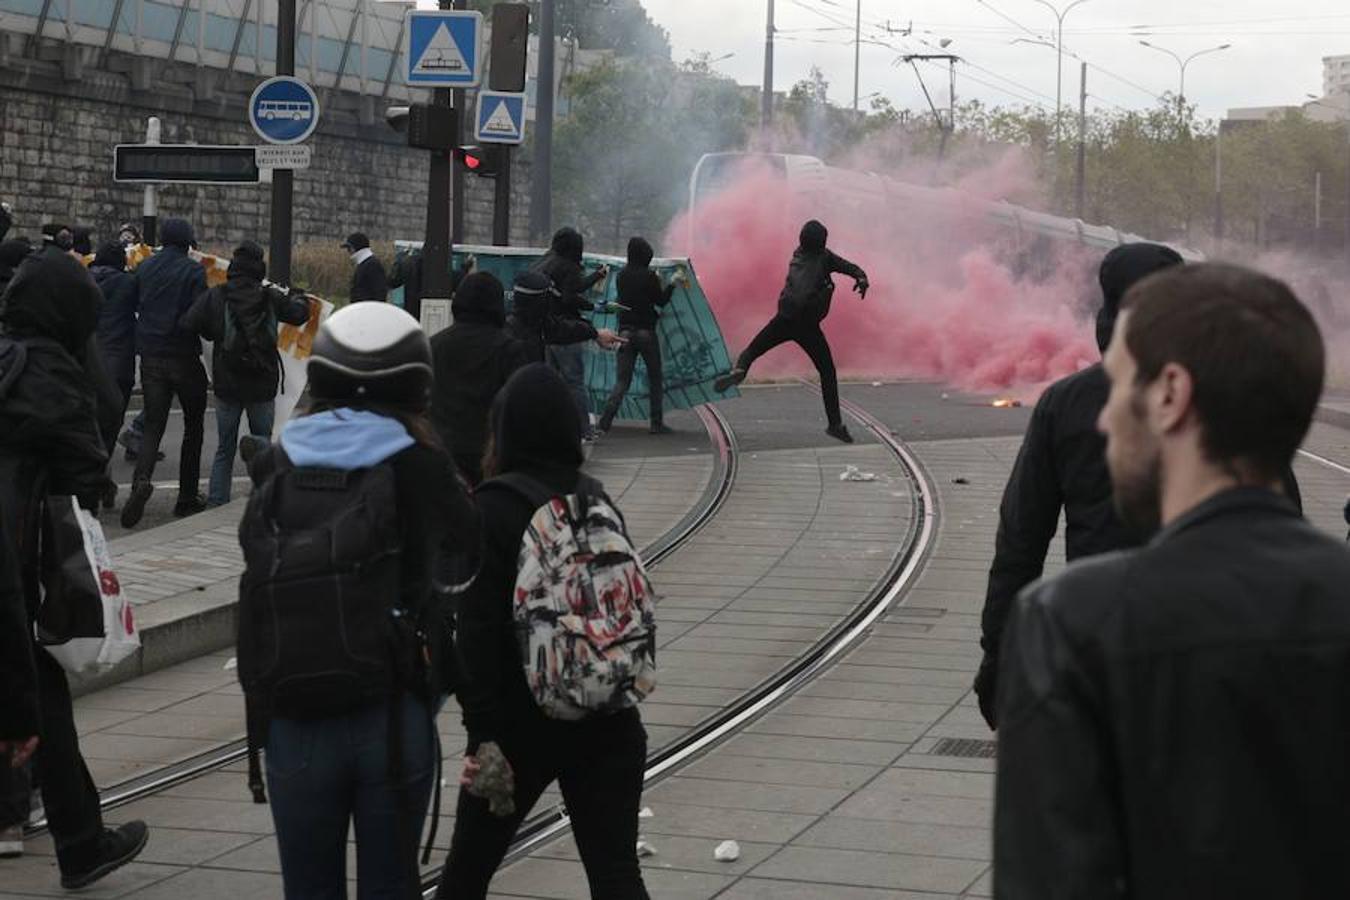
{"points": [[1005, 403]]}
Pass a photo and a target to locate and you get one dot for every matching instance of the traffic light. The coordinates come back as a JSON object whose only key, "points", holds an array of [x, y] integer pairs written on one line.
{"points": [[483, 161]]}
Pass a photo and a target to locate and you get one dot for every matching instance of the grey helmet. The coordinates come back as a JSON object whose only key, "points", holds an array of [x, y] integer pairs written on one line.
{"points": [[371, 353]]}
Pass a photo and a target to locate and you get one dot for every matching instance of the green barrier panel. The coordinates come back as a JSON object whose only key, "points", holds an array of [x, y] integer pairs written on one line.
{"points": [[693, 352]]}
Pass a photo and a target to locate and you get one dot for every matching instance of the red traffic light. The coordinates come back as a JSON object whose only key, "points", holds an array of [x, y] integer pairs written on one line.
{"points": [[475, 159]]}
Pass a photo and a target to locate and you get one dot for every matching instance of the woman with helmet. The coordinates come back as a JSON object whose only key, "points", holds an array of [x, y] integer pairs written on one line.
{"points": [[357, 533]]}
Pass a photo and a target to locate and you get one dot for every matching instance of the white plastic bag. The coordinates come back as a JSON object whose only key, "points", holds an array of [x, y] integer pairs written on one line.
{"points": [[81, 577]]}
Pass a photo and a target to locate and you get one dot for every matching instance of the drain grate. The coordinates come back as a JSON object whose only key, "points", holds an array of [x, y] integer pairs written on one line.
{"points": [[968, 747]]}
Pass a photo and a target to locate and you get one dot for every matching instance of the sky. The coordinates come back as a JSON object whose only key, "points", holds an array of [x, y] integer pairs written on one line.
{"points": [[1275, 56]]}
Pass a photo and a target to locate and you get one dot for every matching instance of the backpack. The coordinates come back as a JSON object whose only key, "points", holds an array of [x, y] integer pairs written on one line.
{"points": [[249, 343], [582, 605], [809, 287], [320, 630]]}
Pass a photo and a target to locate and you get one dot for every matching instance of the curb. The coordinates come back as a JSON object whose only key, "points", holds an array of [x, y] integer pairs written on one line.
{"points": [[1331, 416]]}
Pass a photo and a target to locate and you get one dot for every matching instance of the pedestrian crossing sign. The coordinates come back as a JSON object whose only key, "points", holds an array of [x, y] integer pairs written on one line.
{"points": [[501, 118], [444, 48]]}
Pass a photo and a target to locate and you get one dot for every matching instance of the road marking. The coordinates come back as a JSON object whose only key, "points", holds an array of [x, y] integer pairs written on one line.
{"points": [[1344, 470]]}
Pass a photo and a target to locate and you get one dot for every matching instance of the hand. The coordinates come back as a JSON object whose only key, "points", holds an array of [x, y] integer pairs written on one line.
{"points": [[861, 286], [19, 751], [608, 339], [470, 770], [603, 270], [470, 263]]}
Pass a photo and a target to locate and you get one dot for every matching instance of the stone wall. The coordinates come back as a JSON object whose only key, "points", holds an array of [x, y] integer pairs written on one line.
{"points": [[56, 154]]}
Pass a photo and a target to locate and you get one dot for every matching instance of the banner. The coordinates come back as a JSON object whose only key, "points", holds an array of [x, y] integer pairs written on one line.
{"points": [[693, 352]]}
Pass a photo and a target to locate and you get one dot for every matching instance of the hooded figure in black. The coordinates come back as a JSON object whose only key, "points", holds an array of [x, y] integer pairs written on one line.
{"points": [[472, 359], [533, 324], [117, 317], [803, 304], [596, 761], [641, 297], [50, 445], [1062, 465], [562, 266]]}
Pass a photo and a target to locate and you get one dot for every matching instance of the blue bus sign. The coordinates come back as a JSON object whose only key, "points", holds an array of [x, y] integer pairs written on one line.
{"points": [[283, 110]]}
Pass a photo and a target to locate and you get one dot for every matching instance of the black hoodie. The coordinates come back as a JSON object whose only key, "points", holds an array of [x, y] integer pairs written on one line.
{"points": [[472, 359], [254, 310], [807, 293], [640, 289], [535, 432], [562, 265], [117, 315]]}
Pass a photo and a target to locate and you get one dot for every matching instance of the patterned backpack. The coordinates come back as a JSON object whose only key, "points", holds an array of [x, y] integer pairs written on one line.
{"points": [[582, 604]]}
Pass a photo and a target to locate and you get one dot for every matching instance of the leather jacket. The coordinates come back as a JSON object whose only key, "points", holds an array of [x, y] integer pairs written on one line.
{"points": [[1174, 720]]}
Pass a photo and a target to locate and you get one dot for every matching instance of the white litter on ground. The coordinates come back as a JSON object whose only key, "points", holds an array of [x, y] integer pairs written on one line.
{"points": [[646, 813], [851, 473], [644, 848], [727, 851], [231, 664]]}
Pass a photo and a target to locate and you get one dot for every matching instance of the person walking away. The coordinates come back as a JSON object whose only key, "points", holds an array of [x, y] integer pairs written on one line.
{"points": [[1061, 465], [369, 282], [50, 445], [342, 696], [803, 304], [563, 266], [519, 741], [167, 284], [472, 359], [533, 323], [641, 298], [240, 319], [116, 321], [1172, 719]]}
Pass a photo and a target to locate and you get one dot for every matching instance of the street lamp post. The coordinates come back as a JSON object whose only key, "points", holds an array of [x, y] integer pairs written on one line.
{"points": [[1345, 112], [1059, 57], [1183, 63]]}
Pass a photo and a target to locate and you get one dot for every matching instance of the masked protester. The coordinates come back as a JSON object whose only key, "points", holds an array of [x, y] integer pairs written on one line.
{"points": [[49, 445], [641, 297], [1170, 716], [562, 265], [802, 305]]}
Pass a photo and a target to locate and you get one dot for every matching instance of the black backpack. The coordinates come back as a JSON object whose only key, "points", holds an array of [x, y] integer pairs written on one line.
{"points": [[321, 631], [249, 342], [809, 287]]}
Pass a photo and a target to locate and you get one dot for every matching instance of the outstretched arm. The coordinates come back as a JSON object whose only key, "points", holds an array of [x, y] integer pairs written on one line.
{"points": [[852, 270]]}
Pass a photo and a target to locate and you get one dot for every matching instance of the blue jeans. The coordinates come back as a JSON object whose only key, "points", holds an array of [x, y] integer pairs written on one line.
{"points": [[228, 413], [323, 774], [570, 361]]}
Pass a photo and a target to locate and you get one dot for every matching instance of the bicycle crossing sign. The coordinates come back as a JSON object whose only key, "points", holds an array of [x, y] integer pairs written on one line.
{"points": [[283, 110], [444, 48], [501, 118]]}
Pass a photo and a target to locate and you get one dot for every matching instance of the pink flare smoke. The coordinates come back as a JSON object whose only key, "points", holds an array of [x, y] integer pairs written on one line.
{"points": [[944, 305]]}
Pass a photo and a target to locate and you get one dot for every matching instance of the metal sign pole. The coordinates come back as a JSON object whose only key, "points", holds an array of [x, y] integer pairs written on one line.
{"points": [[150, 204], [501, 206], [283, 180]]}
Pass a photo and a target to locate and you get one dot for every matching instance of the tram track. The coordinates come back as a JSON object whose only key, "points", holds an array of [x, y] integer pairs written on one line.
{"points": [[666, 761], [715, 494]]}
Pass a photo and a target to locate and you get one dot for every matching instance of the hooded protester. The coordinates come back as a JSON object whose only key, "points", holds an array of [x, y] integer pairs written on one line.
{"points": [[597, 761], [369, 282], [354, 746], [49, 445], [240, 319], [803, 304], [117, 317], [533, 324], [563, 267], [57, 235], [82, 240], [640, 297], [168, 283], [472, 359], [1062, 466]]}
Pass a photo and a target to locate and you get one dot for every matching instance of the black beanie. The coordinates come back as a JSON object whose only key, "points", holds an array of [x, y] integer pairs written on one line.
{"points": [[534, 421], [176, 233], [1122, 268], [111, 255], [481, 298]]}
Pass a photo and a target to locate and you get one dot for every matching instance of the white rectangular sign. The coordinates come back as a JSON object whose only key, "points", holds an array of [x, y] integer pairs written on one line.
{"points": [[283, 156]]}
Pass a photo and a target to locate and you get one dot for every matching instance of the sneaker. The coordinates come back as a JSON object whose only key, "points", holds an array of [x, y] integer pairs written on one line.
{"points": [[36, 811], [729, 380], [661, 428], [840, 433], [135, 505], [11, 842], [189, 507], [116, 848]]}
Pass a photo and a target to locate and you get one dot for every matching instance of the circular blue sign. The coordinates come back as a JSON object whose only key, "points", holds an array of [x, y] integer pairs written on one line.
{"points": [[283, 110]]}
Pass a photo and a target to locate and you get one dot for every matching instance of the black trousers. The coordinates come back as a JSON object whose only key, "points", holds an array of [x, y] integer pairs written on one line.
{"points": [[598, 765], [163, 378], [68, 792], [810, 338], [644, 343]]}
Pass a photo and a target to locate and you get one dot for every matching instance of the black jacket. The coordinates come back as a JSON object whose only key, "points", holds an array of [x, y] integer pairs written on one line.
{"points": [[535, 327], [562, 265], [369, 281], [168, 283], [639, 289], [472, 359], [407, 274], [1173, 720], [117, 321], [252, 305], [801, 301]]}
